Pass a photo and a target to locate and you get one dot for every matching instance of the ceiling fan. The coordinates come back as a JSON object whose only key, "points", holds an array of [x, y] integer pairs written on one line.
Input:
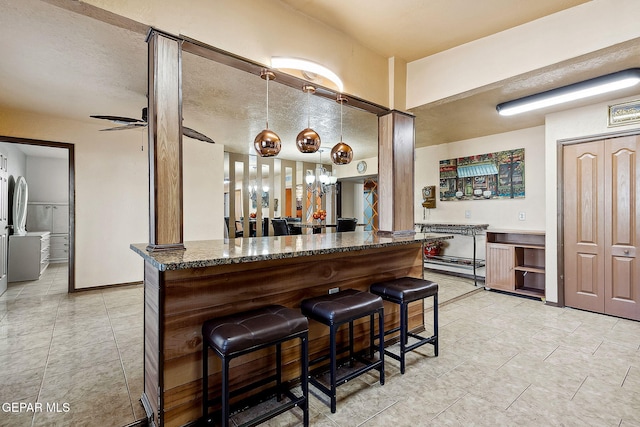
{"points": [[130, 123]]}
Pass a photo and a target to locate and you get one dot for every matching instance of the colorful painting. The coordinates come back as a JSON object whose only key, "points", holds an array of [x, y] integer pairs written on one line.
{"points": [[487, 176]]}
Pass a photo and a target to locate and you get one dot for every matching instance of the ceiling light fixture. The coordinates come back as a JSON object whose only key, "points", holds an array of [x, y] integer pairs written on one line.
{"points": [[308, 140], [267, 143], [341, 153], [307, 66], [596, 86]]}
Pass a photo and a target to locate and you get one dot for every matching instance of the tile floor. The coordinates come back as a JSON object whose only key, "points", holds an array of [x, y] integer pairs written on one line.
{"points": [[83, 350], [504, 360]]}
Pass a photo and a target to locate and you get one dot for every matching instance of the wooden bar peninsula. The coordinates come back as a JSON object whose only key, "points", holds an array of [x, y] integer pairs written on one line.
{"points": [[183, 288]]}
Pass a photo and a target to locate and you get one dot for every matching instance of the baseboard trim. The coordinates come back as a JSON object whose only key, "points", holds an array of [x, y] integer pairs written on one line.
{"points": [[102, 287]]}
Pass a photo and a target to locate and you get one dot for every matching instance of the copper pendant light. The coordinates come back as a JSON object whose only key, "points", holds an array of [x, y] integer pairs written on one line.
{"points": [[341, 153], [267, 143], [308, 140]]}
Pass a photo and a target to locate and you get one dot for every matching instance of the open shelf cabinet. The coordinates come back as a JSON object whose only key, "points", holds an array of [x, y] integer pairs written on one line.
{"points": [[515, 262]]}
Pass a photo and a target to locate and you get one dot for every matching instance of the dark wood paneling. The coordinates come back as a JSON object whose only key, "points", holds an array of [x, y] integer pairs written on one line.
{"points": [[152, 338]]}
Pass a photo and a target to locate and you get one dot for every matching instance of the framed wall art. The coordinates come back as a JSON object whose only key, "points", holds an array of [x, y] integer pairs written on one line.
{"points": [[498, 175]]}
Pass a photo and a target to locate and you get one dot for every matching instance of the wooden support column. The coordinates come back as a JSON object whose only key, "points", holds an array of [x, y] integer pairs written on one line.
{"points": [[396, 151], [165, 142]]}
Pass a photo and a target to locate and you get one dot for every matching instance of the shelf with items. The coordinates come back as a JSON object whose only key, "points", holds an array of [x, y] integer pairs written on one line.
{"points": [[516, 262]]}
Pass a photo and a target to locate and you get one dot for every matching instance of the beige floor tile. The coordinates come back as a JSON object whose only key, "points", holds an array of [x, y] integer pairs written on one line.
{"points": [[98, 392], [503, 360], [17, 418], [14, 343], [73, 358], [471, 410], [35, 358], [21, 385]]}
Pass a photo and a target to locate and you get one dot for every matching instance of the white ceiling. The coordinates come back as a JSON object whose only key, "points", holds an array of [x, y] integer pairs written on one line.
{"points": [[414, 29], [60, 63]]}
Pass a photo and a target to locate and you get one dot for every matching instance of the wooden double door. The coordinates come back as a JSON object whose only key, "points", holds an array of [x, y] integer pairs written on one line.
{"points": [[601, 207]]}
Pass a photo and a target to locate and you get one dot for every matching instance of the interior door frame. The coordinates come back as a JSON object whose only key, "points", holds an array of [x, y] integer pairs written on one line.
{"points": [[560, 144], [72, 196]]}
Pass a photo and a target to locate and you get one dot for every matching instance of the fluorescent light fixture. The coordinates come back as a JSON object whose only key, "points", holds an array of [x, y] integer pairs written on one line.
{"points": [[599, 85], [308, 66]]}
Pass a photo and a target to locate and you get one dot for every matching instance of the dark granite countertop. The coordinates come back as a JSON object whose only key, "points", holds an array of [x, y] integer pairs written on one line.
{"points": [[207, 253]]}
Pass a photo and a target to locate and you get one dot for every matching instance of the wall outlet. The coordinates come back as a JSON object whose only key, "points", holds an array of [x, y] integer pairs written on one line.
{"points": [[334, 291], [467, 214], [522, 216]]}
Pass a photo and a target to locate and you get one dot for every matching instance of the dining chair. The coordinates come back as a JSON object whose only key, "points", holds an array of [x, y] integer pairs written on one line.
{"points": [[280, 227], [346, 224]]}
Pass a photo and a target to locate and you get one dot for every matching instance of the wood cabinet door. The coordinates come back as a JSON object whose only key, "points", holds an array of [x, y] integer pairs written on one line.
{"points": [[601, 205], [621, 210], [584, 226], [500, 261]]}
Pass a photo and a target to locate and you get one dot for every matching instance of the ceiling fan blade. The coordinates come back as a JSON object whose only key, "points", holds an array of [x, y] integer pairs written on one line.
{"points": [[196, 135], [129, 126], [119, 119]]}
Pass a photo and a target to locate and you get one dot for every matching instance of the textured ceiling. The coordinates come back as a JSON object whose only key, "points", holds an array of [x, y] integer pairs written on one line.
{"points": [[414, 29], [61, 63]]}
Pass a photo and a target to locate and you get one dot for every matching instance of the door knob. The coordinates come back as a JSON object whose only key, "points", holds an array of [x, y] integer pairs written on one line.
{"points": [[626, 251]]}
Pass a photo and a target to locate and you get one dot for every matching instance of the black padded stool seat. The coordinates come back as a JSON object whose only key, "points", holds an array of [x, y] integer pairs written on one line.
{"points": [[335, 310], [237, 334], [402, 291]]}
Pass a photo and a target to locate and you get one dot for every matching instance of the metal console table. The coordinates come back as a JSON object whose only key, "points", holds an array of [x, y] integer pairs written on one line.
{"points": [[462, 229]]}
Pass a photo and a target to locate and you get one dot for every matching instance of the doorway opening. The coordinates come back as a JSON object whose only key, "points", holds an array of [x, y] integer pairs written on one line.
{"points": [[34, 146]]}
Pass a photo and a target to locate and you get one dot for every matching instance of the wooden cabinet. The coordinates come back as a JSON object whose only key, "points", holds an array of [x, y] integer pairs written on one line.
{"points": [[28, 255], [515, 262]]}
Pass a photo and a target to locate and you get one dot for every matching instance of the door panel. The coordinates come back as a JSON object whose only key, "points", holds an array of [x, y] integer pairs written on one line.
{"points": [[601, 206], [584, 226], [622, 293]]}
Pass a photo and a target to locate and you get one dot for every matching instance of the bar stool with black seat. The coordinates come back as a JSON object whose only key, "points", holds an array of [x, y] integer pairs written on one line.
{"points": [[335, 310], [242, 333], [403, 291]]}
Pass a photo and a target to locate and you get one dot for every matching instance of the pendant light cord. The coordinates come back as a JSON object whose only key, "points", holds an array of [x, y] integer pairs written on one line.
{"points": [[308, 109], [341, 102], [267, 100]]}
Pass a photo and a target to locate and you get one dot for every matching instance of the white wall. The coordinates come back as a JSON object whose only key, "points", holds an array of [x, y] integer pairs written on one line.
{"points": [[546, 41], [112, 193], [17, 165], [498, 213], [48, 179], [570, 124]]}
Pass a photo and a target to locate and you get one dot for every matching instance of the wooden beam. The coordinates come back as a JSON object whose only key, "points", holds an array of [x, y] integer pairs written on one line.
{"points": [[165, 142], [396, 150]]}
